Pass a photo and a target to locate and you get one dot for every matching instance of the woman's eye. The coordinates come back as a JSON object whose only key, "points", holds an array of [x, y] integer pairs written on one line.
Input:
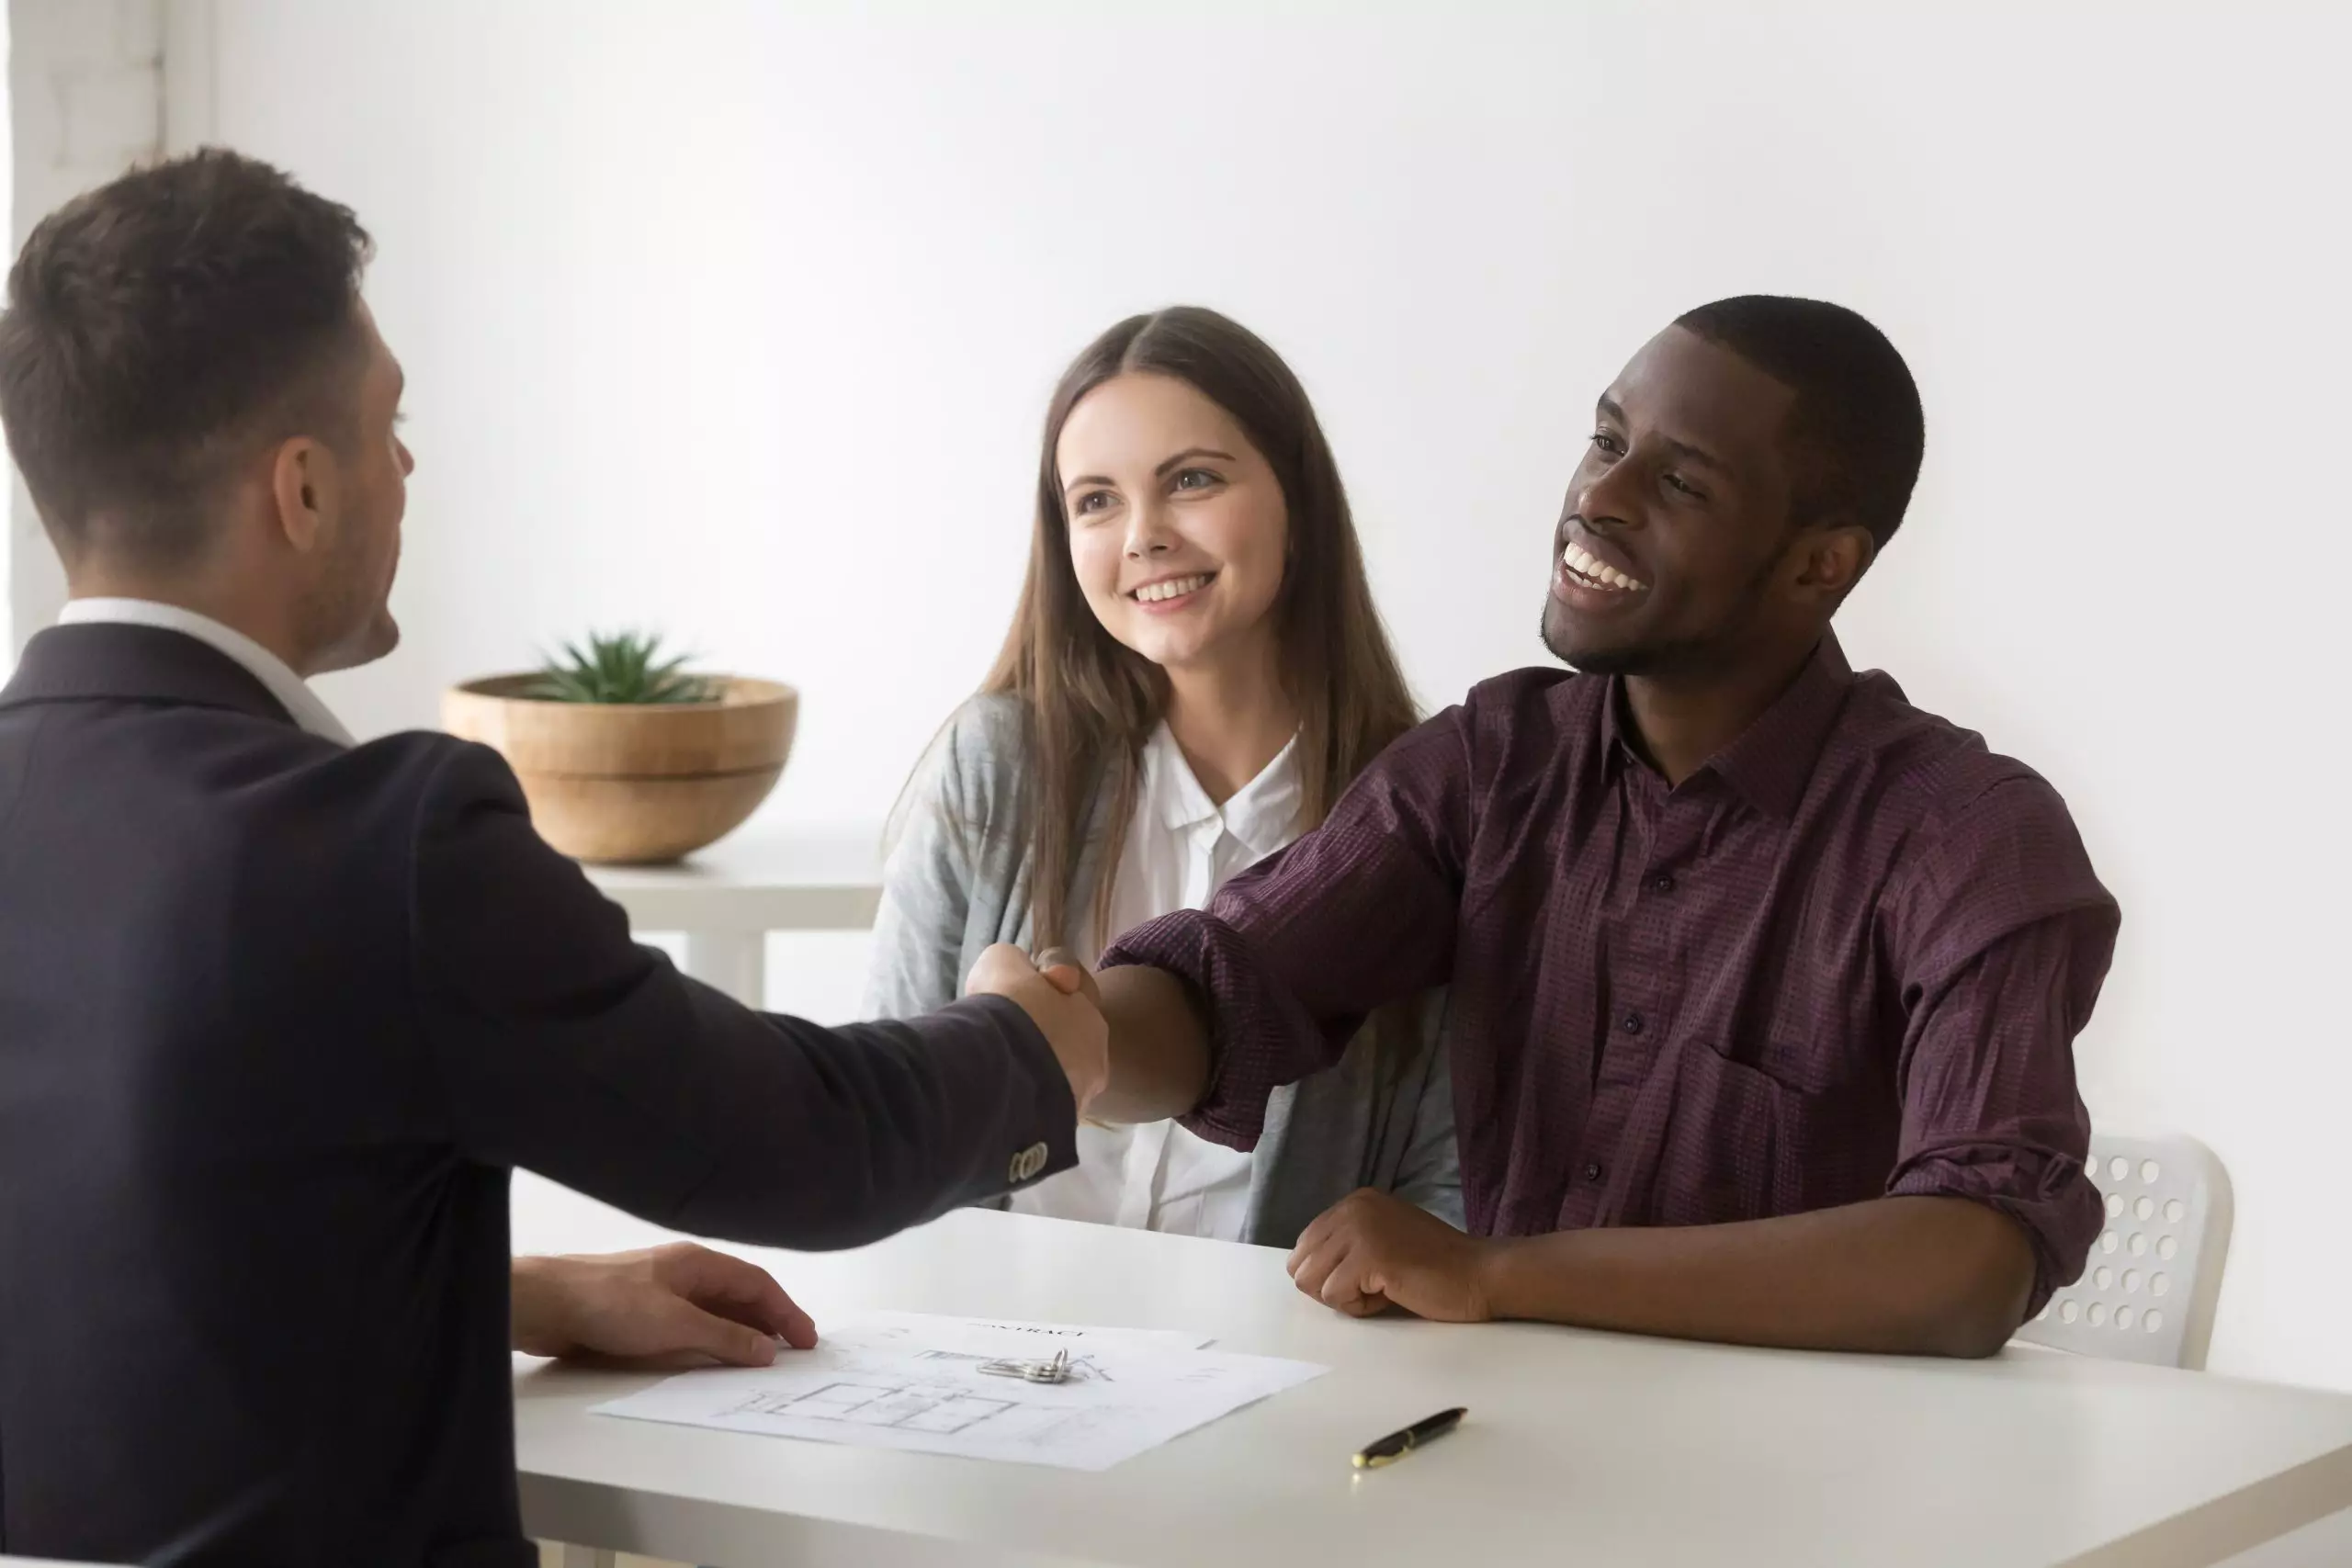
{"points": [[1608, 443], [1678, 482], [1092, 501], [1196, 478]]}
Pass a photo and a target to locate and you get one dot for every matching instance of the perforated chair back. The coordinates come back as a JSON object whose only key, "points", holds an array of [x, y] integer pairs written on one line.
{"points": [[2154, 1275]]}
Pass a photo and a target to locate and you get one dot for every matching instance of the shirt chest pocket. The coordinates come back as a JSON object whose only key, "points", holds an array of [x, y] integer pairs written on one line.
{"points": [[1731, 1140], [1716, 1140]]}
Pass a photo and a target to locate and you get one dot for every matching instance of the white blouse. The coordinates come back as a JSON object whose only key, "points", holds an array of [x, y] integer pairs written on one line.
{"points": [[1181, 847]]}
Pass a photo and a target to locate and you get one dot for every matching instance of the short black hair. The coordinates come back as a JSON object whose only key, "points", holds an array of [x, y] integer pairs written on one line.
{"points": [[1857, 421], [160, 326]]}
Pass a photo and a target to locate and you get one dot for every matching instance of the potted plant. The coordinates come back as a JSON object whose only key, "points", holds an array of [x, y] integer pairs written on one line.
{"points": [[625, 758]]}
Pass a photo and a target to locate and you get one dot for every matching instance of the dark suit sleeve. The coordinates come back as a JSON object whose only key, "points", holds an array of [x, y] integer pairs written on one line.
{"points": [[569, 1049]]}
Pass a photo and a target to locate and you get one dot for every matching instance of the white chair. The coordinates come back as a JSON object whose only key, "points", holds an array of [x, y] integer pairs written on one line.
{"points": [[2149, 1290]]}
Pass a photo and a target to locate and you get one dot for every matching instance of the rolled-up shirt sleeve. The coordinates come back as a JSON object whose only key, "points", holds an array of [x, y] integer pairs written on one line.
{"points": [[2006, 939], [1293, 954]]}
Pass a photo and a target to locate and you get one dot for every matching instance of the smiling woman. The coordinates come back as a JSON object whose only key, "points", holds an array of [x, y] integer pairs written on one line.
{"points": [[1195, 673], [1180, 553]]}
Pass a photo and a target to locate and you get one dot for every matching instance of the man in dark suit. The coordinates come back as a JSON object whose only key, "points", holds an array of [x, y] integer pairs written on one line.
{"points": [[278, 1013]]}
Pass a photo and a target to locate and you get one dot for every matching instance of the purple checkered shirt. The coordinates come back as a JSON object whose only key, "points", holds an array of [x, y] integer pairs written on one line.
{"points": [[1844, 959]]}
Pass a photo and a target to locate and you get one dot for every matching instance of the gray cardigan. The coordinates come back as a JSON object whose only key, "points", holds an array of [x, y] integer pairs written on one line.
{"points": [[958, 880]]}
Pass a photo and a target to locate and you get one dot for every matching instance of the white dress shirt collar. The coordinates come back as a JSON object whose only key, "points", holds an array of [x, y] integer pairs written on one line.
{"points": [[1263, 813], [300, 703]]}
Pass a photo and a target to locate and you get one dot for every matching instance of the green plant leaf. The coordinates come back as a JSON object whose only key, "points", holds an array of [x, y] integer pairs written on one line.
{"points": [[623, 668]]}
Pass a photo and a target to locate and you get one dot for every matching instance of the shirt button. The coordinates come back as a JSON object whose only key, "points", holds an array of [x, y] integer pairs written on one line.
{"points": [[1593, 1171], [1631, 1023], [1662, 883]]}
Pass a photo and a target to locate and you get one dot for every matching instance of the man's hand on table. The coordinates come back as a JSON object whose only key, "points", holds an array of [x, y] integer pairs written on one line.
{"points": [[1060, 998], [679, 1305], [1373, 1250]]}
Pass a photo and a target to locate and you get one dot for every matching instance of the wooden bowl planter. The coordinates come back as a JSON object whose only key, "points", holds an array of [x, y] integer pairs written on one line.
{"points": [[633, 785]]}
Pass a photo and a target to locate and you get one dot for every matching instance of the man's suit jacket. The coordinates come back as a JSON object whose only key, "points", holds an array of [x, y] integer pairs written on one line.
{"points": [[277, 1017]]}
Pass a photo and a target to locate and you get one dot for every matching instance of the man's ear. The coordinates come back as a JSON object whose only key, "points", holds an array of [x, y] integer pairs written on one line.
{"points": [[302, 483], [1831, 556]]}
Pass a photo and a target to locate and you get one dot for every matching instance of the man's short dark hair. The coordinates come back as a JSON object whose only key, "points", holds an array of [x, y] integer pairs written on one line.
{"points": [[159, 330], [1858, 421]]}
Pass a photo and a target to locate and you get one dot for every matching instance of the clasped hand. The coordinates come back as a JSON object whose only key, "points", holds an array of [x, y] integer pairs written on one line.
{"points": [[1061, 999]]}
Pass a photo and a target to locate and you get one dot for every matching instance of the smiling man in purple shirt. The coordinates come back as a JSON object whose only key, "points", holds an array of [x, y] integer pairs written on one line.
{"points": [[1764, 982]]}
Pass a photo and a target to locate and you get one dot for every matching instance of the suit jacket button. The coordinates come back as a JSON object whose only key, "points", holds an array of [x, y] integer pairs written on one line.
{"points": [[1028, 1163]]}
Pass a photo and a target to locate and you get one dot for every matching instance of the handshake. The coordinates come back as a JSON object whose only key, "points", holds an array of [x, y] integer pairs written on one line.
{"points": [[1062, 1000]]}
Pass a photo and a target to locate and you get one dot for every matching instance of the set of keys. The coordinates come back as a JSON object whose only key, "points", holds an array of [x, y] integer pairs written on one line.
{"points": [[1053, 1368]]}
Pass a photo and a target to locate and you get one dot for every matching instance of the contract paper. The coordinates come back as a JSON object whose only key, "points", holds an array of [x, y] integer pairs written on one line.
{"points": [[909, 1381]]}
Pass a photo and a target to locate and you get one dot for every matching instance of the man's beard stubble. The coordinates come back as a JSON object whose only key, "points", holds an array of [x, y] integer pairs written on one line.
{"points": [[1679, 657]]}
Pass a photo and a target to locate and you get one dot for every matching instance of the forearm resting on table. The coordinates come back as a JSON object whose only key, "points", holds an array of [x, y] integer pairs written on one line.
{"points": [[1160, 1046], [1901, 1276]]}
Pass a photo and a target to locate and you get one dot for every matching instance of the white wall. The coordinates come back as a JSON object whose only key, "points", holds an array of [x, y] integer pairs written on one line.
{"points": [[85, 101], [738, 320]]}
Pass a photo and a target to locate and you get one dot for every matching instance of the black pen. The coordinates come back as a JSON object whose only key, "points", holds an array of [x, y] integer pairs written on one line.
{"points": [[1397, 1445]]}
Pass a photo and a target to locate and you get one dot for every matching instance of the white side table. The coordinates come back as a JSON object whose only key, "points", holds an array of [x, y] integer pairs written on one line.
{"points": [[727, 898]]}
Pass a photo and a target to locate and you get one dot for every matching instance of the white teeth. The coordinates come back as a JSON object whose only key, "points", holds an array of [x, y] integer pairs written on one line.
{"points": [[1174, 588], [1579, 560]]}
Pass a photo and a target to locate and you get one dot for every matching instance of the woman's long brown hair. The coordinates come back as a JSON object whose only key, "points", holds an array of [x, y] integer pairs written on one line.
{"points": [[1091, 702]]}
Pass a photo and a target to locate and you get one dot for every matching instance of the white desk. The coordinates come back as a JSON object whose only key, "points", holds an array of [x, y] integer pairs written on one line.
{"points": [[1580, 1448], [726, 898]]}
